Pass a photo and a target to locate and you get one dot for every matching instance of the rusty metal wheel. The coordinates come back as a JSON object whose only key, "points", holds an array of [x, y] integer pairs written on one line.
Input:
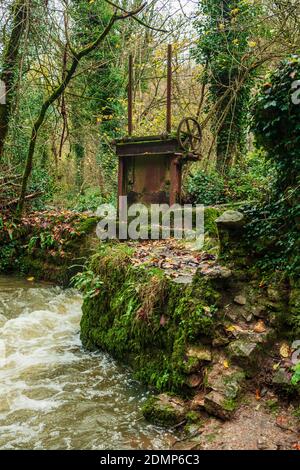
{"points": [[189, 135]]}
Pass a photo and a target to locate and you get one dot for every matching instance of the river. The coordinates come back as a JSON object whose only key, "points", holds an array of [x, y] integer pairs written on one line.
{"points": [[53, 393]]}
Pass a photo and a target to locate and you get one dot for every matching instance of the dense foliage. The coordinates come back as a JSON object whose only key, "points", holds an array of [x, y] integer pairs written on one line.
{"points": [[275, 224], [103, 88], [248, 182], [225, 42], [176, 314]]}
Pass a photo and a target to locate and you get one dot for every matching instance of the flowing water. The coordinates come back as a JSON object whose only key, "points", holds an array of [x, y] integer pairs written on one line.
{"points": [[53, 393]]}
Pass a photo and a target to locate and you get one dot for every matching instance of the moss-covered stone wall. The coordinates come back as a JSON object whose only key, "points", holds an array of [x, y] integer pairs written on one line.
{"points": [[48, 245], [205, 339], [140, 316]]}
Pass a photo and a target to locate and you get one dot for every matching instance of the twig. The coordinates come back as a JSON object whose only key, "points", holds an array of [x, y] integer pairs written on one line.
{"points": [[13, 202], [9, 177], [153, 28]]}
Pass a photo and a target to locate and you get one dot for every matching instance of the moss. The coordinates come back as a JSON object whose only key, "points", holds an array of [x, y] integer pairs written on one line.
{"points": [[210, 226], [86, 225], [52, 246], [40, 269], [296, 412], [164, 417], [229, 404], [273, 405], [232, 384], [145, 319], [211, 437], [294, 307], [164, 410], [193, 417], [191, 365]]}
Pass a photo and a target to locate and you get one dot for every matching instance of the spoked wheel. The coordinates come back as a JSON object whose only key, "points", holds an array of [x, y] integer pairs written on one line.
{"points": [[189, 135]]}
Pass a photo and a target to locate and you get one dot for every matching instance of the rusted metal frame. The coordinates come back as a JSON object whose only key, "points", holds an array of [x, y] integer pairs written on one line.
{"points": [[175, 180], [148, 138], [121, 182], [150, 148], [130, 104], [169, 90], [147, 154]]}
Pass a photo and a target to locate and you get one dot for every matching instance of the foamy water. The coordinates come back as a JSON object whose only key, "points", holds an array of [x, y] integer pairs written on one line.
{"points": [[54, 394]]}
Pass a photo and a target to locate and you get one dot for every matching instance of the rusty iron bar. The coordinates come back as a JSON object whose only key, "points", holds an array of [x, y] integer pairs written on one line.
{"points": [[130, 80], [169, 90]]}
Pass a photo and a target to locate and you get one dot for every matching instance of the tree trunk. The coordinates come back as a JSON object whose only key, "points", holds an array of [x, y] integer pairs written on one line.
{"points": [[46, 105], [10, 61], [79, 159], [77, 57]]}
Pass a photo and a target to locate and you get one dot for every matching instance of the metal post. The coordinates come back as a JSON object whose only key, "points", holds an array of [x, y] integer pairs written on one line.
{"points": [[130, 78], [169, 90]]}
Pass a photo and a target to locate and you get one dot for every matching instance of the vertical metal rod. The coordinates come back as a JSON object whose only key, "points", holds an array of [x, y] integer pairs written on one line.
{"points": [[130, 79], [169, 90]]}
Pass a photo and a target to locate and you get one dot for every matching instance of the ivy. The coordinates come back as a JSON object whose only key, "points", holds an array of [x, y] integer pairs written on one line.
{"points": [[225, 40], [247, 182], [277, 124], [103, 86], [275, 224]]}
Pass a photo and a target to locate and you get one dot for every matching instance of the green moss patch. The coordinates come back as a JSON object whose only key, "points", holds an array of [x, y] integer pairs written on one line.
{"points": [[49, 245], [164, 410], [142, 317]]}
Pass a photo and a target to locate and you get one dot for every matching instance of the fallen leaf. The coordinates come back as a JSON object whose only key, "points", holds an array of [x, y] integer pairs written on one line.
{"points": [[257, 394], [260, 327], [275, 366], [285, 350], [232, 328], [226, 364], [283, 422], [30, 279]]}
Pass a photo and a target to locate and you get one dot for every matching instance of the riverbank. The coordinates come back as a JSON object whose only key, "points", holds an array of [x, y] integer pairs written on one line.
{"points": [[263, 423], [203, 329], [50, 245]]}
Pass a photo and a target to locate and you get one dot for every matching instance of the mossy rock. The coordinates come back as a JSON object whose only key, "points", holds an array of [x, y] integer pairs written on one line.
{"points": [[87, 225], [197, 356], [217, 405], [231, 235], [244, 351], [164, 410], [210, 226], [282, 382], [227, 381], [225, 387], [294, 307], [145, 319], [62, 259]]}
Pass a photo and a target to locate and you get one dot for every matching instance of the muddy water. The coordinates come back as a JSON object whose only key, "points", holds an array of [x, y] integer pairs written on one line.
{"points": [[55, 395]]}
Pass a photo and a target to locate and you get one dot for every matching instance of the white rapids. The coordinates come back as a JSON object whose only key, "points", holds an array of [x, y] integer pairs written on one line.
{"points": [[53, 393]]}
